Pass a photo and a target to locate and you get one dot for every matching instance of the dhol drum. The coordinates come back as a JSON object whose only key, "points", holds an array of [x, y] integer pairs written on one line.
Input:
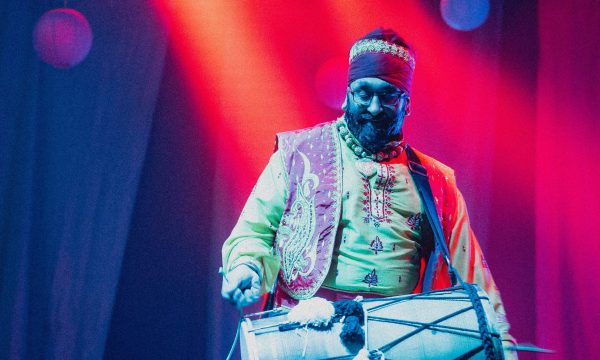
{"points": [[440, 324]]}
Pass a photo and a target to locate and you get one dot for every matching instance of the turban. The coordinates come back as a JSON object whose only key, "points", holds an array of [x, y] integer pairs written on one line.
{"points": [[384, 55]]}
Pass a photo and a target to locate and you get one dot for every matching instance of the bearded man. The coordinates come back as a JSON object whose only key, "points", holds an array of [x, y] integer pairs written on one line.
{"points": [[337, 212]]}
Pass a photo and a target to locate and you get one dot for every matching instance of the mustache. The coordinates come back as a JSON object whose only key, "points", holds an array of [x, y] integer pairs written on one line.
{"points": [[380, 118]]}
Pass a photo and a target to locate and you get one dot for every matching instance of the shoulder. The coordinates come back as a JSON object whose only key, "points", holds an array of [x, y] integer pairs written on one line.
{"points": [[434, 166], [311, 129], [291, 139]]}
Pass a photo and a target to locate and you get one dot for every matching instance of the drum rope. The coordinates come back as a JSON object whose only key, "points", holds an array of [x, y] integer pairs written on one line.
{"points": [[305, 341], [436, 327], [486, 336], [425, 326]]}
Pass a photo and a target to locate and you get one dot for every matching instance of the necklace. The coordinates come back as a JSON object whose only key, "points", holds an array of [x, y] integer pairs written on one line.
{"points": [[390, 151]]}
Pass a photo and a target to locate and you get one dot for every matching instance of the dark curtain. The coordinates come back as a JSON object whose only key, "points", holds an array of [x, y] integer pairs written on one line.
{"points": [[72, 145], [164, 295], [118, 185], [168, 304]]}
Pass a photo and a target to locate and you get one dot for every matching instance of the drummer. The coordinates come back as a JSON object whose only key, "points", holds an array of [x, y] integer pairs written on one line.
{"points": [[337, 211]]}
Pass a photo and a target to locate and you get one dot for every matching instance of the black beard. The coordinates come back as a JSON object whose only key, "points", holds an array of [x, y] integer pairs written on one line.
{"points": [[373, 132]]}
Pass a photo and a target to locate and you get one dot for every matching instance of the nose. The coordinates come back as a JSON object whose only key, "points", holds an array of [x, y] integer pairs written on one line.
{"points": [[375, 106]]}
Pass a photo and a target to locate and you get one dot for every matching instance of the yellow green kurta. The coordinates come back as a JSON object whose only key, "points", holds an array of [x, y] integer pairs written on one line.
{"points": [[377, 245]]}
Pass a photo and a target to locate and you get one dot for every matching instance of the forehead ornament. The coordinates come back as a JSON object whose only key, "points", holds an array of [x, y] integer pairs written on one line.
{"points": [[384, 47]]}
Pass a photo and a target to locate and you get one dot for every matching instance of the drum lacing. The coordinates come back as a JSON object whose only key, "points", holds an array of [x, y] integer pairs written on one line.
{"points": [[486, 336]]}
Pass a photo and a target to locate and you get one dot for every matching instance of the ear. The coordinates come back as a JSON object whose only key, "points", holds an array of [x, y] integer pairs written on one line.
{"points": [[345, 104], [407, 107]]}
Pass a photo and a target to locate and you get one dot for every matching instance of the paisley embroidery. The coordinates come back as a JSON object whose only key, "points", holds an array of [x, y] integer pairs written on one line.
{"points": [[376, 245], [414, 221], [299, 249], [376, 200], [371, 278]]}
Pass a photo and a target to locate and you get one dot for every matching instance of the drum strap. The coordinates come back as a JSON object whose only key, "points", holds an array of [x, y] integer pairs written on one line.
{"points": [[419, 175]]}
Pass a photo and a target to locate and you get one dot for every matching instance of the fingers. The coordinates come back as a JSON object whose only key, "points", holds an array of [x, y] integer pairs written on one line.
{"points": [[248, 297], [241, 287], [235, 279], [237, 297], [252, 294], [244, 298], [228, 288]]}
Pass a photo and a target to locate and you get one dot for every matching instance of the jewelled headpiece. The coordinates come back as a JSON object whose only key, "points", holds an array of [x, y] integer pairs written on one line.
{"points": [[383, 54], [383, 47]]}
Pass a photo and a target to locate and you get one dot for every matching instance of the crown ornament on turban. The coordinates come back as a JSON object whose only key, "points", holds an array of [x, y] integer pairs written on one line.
{"points": [[383, 54], [384, 47]]}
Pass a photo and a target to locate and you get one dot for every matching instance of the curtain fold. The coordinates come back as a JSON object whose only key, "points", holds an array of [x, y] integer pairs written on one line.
{"points": [[568, 178], [72, 143]]}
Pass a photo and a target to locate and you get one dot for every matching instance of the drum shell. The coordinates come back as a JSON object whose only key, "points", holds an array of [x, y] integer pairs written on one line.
{"points": [[456, 334], [274, 344]]}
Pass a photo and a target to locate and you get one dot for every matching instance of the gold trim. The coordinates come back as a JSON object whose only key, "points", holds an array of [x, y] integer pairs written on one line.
{"points": [[381, 46]]}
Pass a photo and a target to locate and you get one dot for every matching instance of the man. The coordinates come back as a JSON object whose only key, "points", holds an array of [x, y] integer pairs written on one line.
{"points": [[337, 213]]}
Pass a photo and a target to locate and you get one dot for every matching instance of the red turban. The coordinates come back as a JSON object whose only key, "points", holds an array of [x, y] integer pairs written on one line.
{"points": [[384, 55]]}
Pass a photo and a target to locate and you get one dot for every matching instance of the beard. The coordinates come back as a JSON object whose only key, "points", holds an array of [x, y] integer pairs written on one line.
{"points": [[374, 132]]}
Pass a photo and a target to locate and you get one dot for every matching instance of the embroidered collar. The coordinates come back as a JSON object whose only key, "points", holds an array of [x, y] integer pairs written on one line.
{"points": [[390, 151]]}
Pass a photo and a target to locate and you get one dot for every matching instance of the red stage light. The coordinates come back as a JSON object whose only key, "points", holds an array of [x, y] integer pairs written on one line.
{"points": [[331, 81]]}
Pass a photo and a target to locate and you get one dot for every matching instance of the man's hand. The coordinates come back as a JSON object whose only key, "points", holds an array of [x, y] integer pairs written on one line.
{"points": [[241, 286]]}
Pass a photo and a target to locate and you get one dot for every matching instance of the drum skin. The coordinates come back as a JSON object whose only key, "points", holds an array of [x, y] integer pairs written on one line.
{"points": [[436, 325]]}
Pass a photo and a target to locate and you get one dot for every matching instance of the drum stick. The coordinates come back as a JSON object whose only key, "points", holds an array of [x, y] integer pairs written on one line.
{"points": [[529, 348], [239, 325]]}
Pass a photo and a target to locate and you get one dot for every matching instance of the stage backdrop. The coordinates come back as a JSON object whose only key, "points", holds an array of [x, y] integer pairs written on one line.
{"points": [[120, 178], [72, 146], [568, 179]]}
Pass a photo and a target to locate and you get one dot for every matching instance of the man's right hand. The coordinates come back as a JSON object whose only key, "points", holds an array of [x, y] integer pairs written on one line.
{"points": [[241, 286]]}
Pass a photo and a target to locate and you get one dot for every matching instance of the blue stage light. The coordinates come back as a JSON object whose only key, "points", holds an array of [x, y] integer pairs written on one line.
{"points": [[464, 15]]}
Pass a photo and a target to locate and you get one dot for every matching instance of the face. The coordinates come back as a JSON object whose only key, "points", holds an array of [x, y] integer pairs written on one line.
{"points": [[375, 124]]}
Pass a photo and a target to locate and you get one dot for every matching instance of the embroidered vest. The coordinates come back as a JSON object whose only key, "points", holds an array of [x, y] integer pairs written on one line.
{"points": [[306, 234], [305, 238]]}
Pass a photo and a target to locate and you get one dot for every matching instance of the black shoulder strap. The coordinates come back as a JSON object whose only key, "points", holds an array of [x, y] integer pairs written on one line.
{"points": [[419, 175]]}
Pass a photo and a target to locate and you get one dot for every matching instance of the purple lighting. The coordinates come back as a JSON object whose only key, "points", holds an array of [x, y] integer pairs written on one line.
{"points": [[62, 38]]}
